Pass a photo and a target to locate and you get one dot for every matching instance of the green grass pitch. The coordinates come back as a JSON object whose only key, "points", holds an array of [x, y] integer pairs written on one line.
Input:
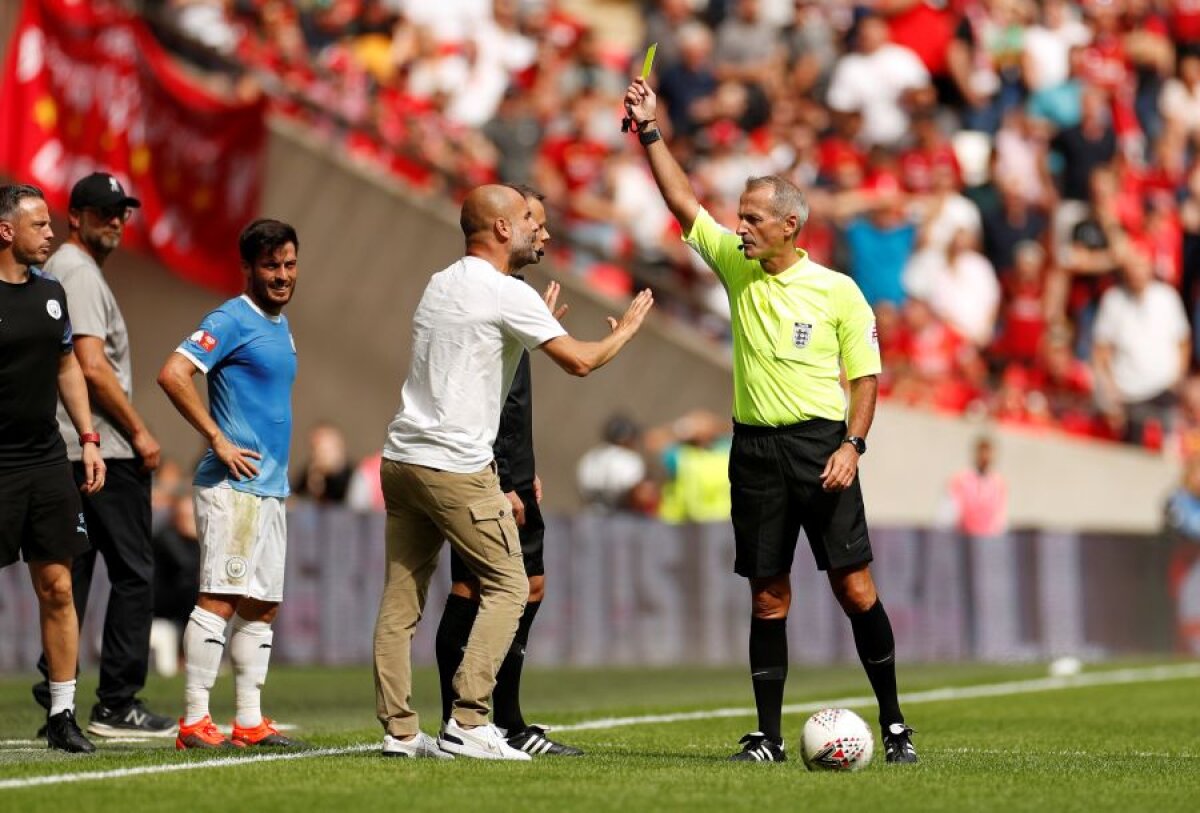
{"points": [[1129, 742]]}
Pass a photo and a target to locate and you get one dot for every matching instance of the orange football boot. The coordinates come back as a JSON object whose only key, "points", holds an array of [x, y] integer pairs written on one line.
{"points": [[263, 735], [201, 734]]}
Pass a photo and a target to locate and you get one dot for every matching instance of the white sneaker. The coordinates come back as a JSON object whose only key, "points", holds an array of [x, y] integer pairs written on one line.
{"points": [[481, 742], [421, 746]]}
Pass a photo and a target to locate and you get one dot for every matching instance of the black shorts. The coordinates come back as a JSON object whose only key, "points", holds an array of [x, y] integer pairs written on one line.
{"points": [[775, 485], [533, 534], [41, 515]]}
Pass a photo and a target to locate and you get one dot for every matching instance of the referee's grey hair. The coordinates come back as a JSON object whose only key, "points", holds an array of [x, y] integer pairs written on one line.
{"points": [[11, 196], [786, 198]]}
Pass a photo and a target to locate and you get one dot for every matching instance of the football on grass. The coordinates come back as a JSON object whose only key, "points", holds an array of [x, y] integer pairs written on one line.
{"points": [[836, 740]]}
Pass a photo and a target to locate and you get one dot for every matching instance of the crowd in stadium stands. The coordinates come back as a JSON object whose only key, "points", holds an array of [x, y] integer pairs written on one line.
{"points": [[1013, 184]]}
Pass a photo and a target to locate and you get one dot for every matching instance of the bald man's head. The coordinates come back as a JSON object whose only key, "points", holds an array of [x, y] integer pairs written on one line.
{"points": [[487, 204]]}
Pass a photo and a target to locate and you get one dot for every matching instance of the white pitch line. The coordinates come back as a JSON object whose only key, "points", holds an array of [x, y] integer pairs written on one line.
{"points": [[1000, 752], [1008, 688], [122, 773]]}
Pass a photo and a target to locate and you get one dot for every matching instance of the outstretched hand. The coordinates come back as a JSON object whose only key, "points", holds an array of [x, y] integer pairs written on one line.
{"points": [[635, 314], [550, 297]]}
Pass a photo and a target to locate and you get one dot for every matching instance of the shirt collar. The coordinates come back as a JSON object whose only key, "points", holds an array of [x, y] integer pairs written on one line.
{"points": [[795, 269], [276, 319]]}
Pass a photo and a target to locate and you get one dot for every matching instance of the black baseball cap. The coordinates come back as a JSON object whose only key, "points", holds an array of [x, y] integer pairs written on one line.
{"points": [[99, 190]]}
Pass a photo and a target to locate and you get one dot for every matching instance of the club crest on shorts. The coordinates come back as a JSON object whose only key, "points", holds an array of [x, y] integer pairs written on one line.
{"points": [[54, 309], [801, 334], [235, 567]]}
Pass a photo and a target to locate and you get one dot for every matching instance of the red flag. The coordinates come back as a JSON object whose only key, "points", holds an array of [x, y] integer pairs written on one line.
{"points": [[86, 87]]}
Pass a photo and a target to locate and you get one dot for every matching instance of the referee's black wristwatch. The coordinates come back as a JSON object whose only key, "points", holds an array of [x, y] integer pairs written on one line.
{"points": [[859, 444], [646, 136]]}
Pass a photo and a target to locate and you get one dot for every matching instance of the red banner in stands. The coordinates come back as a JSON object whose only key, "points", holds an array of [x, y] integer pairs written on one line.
{"points": [[86, 87]]}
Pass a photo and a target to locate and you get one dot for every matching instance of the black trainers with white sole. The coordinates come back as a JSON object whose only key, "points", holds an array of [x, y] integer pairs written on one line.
{"points": [[897, 745], [532, 740], [758, 747], [63, 734], [132, 720]]}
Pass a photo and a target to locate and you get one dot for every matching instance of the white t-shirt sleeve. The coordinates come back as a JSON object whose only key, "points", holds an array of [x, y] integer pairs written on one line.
{"points": [[1178, 316], [912, 69], [843, 94], [525, 316]]}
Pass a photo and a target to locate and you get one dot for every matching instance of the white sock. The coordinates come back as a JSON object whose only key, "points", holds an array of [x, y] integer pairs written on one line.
{"points": [[62, 697], [250, 653], [203, 645]]}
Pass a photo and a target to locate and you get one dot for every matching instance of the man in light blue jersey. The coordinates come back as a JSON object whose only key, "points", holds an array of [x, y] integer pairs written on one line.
{"points": [[245, 349]]}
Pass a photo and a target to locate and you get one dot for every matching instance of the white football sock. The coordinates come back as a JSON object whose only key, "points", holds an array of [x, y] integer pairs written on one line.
{"points": [[203, 645], [250, 653], [62, 697]]}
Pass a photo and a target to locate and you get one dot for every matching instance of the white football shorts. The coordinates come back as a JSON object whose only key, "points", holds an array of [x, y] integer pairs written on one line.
{"points": [[243, 542]]}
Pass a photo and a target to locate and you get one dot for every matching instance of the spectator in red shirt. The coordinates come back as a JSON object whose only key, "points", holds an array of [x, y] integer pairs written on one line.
{"points": [[930, 149], [938, 368], [1023, 309], [1065, 381]]}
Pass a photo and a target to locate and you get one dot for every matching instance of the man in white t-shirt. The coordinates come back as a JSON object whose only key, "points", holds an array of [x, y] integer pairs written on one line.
{"points": [[959, 284], [439, 478], [1141, 348], [1046, 61], [877, 80]]}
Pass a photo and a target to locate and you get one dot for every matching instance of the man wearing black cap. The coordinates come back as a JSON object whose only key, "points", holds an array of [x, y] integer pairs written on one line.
{"points": [[118, 518]]}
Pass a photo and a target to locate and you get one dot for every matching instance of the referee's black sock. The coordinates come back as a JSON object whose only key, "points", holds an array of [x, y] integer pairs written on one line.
{"points": [[877, 650], [452, 634], [506, 698], [768, 670]]}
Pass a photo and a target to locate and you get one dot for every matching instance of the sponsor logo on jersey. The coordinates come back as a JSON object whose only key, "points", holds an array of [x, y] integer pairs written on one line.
{"points": [[206, 340], [54, 309], [873, 335]]}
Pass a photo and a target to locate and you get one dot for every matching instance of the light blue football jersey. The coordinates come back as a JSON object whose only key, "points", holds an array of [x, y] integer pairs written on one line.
{"points": [[250, 361]]}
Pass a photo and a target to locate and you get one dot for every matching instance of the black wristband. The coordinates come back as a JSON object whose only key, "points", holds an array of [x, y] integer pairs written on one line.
{"points": [[648, 138]]}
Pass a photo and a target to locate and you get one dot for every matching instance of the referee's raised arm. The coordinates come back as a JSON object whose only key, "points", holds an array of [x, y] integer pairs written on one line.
{"points": [[641, 104]]}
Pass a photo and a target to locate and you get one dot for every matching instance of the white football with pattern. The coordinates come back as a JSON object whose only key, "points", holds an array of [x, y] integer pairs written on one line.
{"points": [[836, 740]]}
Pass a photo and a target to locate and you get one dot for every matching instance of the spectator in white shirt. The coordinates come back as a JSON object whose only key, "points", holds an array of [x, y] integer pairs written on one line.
{"points": [[1141, 349], [960, 286], [880, 80], [1048, 46]]}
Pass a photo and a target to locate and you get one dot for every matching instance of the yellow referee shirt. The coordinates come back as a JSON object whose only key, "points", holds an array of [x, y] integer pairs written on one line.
{"points": [[791, 332]]}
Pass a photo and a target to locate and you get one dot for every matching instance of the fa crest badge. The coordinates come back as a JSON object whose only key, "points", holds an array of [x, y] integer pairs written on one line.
{"points": [[801, 334]]}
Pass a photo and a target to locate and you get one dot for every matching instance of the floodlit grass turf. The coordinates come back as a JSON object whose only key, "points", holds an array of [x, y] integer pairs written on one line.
{"points": [[1129, 747]]}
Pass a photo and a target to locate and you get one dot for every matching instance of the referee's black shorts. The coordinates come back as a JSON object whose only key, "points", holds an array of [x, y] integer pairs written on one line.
{"points": [[532, 533], [775, 482], [41, 515]]}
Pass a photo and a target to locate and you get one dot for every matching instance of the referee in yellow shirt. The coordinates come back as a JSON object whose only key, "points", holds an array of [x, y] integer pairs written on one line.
{"points": [[794, 461]]}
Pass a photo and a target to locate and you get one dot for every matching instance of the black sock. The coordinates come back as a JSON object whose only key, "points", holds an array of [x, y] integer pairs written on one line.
{"points": [[877, 650], [452, 634], [506, 698], [768, 670]]}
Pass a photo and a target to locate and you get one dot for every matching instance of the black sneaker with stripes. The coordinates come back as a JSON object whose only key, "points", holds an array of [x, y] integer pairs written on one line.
{"points": [[897, 744], [758, 747], [532, 740]]}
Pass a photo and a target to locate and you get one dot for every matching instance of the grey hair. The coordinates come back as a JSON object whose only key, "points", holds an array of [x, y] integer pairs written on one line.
{"points": [[786, 198], [11, 196]]}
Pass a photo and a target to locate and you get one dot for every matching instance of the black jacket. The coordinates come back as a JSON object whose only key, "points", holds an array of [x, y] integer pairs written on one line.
{"points": [[513, 448]]}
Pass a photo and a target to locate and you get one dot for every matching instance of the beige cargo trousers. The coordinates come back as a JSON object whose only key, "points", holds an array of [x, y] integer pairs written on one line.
{"points": [[424, 508]]}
